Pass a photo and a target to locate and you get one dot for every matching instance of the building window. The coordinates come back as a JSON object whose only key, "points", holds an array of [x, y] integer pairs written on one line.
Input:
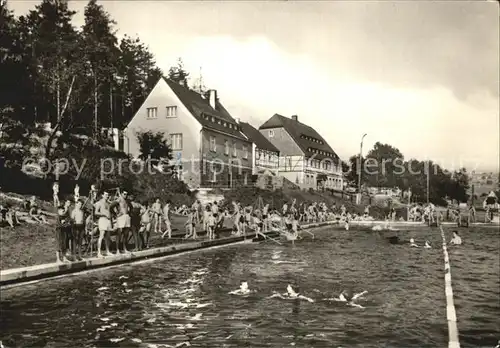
{"points": [[245, 152], [171, 111], [271, 133], [152, 113], [226, 147], [214, 176], [176, 141], [234, 149], [245, 179], [257, 154], [213, 145]]}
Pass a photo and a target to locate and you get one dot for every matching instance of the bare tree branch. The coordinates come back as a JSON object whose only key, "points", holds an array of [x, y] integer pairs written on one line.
{"points": [[52, 135]]}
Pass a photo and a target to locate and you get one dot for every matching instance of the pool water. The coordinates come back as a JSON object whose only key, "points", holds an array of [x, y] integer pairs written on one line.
{"points": [[181, 300]]}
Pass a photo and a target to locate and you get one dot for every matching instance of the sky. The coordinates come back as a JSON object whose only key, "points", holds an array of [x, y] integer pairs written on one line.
{"points": [[422, 76]]}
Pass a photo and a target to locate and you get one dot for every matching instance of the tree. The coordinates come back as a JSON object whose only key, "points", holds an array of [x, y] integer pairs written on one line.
{"points": [[350, 170], [55, 63], [101, 56], [179, 74], [137, 75], [17, 140], [154, 146], [459, 185], [15, 88], [381, 166]]}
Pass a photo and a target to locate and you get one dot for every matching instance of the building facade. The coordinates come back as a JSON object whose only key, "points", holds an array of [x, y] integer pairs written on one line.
{"points": [[209, 148], [305, 158], [265, 154]]}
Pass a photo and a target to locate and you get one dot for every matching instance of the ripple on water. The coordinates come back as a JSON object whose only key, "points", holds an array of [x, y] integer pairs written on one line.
{"points": [[185, 299]]}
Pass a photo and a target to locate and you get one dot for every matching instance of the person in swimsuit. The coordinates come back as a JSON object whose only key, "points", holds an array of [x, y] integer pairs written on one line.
{"points": [[145, 229], [237, 218], [166, 218], [456, 240], [211, 226], [123, 222], [103, 212], [35, 213], [78, 220], [191, 225], [156, 210], [196, 208], [241, 222], [55, 194], [265, 220], [215, 210], [62, 227]]}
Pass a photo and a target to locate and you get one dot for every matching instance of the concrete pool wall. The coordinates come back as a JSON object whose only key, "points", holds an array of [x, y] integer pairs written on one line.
{"points": [[51, 270]]}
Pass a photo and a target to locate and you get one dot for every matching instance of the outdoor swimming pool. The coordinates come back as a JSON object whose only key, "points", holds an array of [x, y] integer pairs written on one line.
{"points": [[185, 299]]}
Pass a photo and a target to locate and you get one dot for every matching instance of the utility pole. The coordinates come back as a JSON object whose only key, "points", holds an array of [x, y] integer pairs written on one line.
{"points": [[359, 169], [428, 180]]}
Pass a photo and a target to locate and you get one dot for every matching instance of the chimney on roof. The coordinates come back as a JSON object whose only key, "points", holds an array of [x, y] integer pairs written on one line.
{"points": [[295, 118], [213, 98]]}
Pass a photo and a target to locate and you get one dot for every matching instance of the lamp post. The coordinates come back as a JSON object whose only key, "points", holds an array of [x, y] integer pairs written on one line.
{"points": [[359, 169]]}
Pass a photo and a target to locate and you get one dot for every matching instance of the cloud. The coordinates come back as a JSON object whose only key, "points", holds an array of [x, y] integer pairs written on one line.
{"points": [[256, 79]]}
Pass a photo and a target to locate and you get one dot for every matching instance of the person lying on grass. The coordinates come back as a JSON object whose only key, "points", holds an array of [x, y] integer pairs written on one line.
{"points": [[8, 215], [35, 213]]}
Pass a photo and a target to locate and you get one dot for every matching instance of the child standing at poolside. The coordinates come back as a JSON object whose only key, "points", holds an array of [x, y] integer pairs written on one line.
{"points": [[191, 225], [77, 218], [211, 226], [62, 225], [145, 229], [156, 209], [166, 218]]}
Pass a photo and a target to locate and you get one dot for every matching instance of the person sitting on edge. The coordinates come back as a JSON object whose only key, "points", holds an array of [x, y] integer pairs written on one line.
{"points": [[456, 240]]}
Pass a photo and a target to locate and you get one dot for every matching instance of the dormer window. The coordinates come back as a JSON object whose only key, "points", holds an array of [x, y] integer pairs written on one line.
{"points": [[213, 119], [225, 124]]}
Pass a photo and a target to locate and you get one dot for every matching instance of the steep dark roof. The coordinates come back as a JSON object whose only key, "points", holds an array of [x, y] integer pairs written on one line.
{"points": [[218, 119], [256, 137], [306, 137]]}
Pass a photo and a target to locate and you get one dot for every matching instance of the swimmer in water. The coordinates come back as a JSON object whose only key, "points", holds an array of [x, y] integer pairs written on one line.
{"points": [[413, 244], [346, 297], [291, 294], [427, 245], [243, 290], [456, 240]]}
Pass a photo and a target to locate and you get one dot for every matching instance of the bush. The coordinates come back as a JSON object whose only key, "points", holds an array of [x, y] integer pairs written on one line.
{"points": [[147, 187], [89, 155]]}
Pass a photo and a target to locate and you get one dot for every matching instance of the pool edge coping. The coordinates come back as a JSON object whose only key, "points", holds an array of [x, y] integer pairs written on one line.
{"points": [[451, 314], [50, 270]]}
